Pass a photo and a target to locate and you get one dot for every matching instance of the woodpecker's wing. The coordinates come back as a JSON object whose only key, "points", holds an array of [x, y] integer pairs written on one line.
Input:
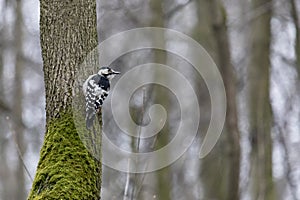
{"points": [[104, 83], [85, 84], [96, 90], [92, 91]]}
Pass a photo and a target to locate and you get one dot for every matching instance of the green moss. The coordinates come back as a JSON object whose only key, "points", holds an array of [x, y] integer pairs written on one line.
{"points": [[66, 170]]}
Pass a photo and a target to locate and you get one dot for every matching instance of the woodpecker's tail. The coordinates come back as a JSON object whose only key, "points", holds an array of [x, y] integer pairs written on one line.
{"points": [[89, 119]]}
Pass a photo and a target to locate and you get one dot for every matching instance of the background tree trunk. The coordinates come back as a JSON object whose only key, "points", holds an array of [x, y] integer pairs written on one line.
{"points": [[259, 105], [18, 103], [296, 22], [4, 169], [220, 168], [163, 186], [66, 169], [213, 185], [231, 125]]}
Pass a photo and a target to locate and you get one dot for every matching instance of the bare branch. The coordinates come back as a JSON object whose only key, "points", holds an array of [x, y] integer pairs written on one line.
{"points": [[176, 9], [249, 16], [126, 190], [19, 152]]}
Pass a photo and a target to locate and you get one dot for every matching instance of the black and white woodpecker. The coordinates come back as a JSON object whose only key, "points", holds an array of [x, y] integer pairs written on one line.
{"points": [[96, 89]]}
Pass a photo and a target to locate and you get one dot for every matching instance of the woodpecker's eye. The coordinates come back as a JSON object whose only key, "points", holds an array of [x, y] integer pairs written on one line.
{"points": [[104, 71]]}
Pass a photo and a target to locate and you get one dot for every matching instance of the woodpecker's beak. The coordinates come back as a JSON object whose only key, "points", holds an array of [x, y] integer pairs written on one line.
{"points": [[114, 72]]}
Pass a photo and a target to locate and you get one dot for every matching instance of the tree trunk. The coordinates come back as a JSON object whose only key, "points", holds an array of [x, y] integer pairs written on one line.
{"points": [[66, 169], [259, 105], [220, 169], [18, 108], [1, 61], [231, 125], [5, 170], [296, 21], [163, 175], [212, 182]]}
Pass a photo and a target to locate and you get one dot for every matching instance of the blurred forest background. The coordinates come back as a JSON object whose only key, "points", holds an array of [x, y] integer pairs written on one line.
{"points": [[256, 45]]}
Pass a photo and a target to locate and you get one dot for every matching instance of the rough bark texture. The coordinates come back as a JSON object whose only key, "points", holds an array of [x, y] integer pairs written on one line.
{"points": [[66, 169], [259, 106], [231, 124], [68, 34]]}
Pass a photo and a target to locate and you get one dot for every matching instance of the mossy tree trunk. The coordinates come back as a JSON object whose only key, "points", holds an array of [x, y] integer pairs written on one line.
{"points": [[66, 169], [260, 114]]}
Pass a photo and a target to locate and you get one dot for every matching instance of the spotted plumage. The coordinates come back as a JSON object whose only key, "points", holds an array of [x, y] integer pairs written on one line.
{"points": [[96, 89]]}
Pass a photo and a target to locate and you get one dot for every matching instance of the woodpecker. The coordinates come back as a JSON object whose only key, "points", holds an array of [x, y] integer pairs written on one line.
{"points": [[96, 89]]}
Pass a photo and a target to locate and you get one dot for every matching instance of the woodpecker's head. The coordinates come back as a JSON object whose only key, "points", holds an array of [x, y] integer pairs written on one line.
{"points": [[107, 72]]}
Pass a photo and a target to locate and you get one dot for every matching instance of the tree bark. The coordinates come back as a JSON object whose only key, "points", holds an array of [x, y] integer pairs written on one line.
{"points": [[4, 168], [212, 182], [18, 108], [1, 62], [218, 15], [296, 22], [259, 106], [221, 168], [163, 175], [66, 169]]}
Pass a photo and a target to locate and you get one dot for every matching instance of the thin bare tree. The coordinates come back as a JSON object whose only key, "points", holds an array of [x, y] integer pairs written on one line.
{"points": [[260, 114]]}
